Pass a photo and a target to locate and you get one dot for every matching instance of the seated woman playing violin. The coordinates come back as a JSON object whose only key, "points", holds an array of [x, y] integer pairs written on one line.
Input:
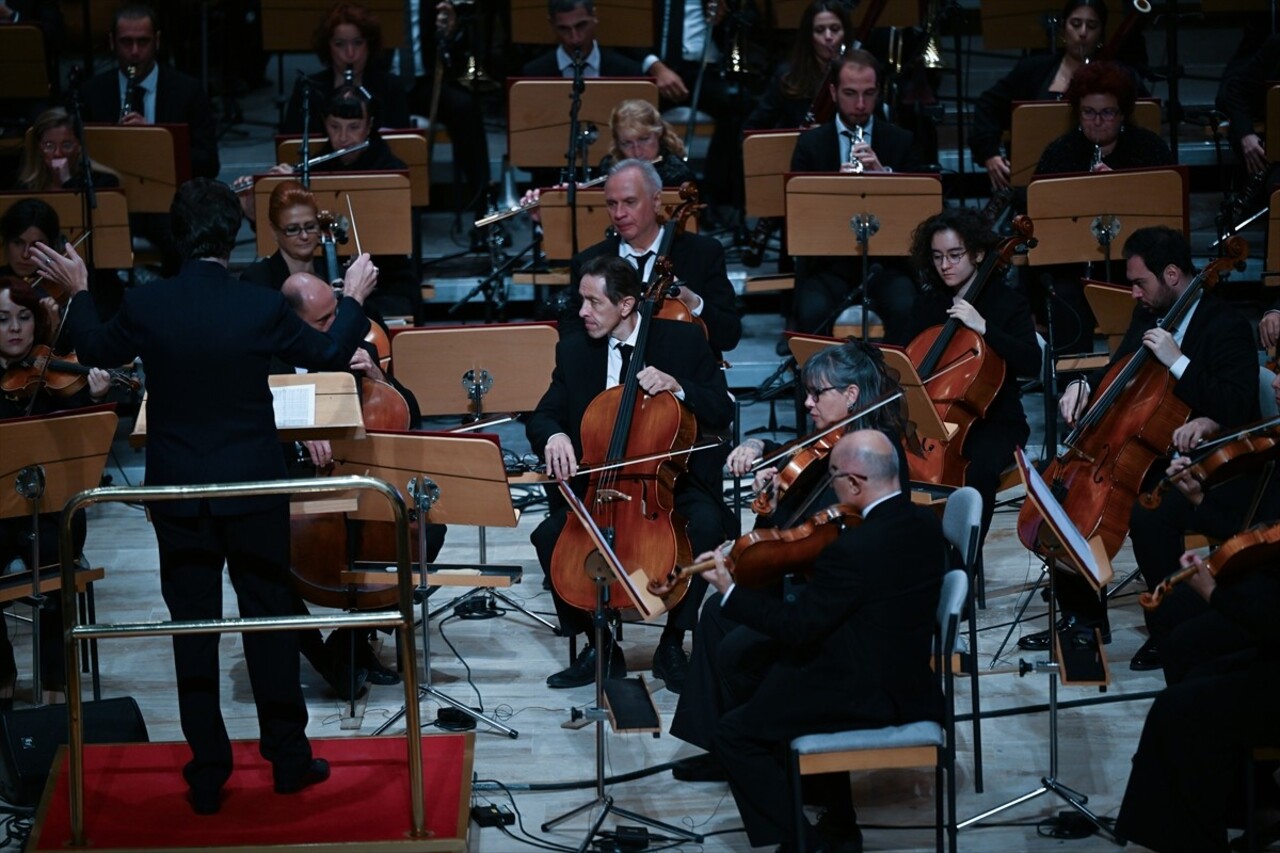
{"points": [[26, 328]]}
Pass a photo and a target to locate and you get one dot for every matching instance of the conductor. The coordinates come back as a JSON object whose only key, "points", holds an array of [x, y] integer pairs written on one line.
{"points": [[207, 341]]}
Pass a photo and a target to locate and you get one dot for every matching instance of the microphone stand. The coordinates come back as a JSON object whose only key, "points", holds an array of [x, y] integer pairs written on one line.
{"points": [[305, 82], [570, 174], [89, 197], [864, 226]]}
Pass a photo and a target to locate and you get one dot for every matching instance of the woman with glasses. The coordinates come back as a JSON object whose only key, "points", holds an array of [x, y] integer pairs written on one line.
{"points": [[1102, 97], [640, 133], [52, 157], [293, 214], [947, 250]]}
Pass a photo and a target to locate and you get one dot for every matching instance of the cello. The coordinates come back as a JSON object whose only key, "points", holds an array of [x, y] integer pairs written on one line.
{"points": [[1127, 428], [633, 504], [960, 372]]}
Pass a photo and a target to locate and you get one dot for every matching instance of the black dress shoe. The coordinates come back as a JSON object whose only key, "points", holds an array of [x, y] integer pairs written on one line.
{"points": [[205, 801], [315, 773], [1040, 641], [700, 768], [377, 673], [583, 670], [671, 664], [839, 831], [1146, 658]]}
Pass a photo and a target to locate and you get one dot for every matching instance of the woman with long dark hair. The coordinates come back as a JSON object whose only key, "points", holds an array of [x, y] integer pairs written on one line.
{"points": [[823, 33]]}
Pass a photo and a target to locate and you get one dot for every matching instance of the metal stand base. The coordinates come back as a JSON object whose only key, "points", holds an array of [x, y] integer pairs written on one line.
{"points": [[492, 593], [607, 807]]}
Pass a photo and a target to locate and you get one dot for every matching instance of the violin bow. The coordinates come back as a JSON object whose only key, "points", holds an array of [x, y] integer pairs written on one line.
{"points": [[801, 445], [355, 231]]}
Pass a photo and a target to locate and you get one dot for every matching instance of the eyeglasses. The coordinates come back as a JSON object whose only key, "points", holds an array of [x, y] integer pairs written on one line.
{"points": [[953, 257], [817, 394], [638, 142], [295, 230], [1090, 114], [66, 146]]}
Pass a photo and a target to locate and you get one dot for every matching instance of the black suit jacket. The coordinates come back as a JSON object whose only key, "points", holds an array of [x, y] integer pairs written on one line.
{"points": [[207, 340], [818, 150], [179, 100], [389, 106], [698, 262], [581, 372], [858, 636], [612, 64], [1221, 382]]}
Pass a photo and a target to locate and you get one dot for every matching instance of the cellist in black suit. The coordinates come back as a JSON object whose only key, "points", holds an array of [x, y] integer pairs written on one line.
{"points": [[677, 360]]}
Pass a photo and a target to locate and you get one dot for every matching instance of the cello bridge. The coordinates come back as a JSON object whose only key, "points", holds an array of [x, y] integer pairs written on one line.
{"points": [[608, 495]]}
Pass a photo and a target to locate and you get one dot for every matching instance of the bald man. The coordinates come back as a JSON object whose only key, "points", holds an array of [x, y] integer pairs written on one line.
{"points": [[852, 650]]}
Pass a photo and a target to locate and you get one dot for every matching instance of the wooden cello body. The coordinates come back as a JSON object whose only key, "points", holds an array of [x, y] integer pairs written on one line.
{"points": [[1129, 425], [960, 372]]}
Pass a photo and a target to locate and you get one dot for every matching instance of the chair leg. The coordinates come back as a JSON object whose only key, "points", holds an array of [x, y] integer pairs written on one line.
{"points": [[938, 796], [974, 700], [951, 794], [797, 800]]}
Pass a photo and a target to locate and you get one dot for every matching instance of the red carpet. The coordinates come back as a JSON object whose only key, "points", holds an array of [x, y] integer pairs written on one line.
{"points": [[135, 798]]}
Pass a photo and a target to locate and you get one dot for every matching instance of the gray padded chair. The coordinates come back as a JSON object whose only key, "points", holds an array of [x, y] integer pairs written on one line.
{"points": [[962, 525], [921, 744]]}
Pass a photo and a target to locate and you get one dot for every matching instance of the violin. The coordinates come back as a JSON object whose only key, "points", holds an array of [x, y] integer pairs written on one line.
{"points": [[61, 376], [1256, 548], [761, 557], [960, 372], [1127, 428], [1225, 458]]}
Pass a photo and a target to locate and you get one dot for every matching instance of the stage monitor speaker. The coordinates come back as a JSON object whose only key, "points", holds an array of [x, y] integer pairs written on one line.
{"points": [[29, 738]]}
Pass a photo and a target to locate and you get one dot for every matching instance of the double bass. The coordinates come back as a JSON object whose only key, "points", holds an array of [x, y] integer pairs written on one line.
{"points": [[1129, 425], [960, 372], [633, 505]]}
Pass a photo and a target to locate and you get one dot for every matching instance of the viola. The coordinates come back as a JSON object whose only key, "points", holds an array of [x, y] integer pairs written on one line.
{"points": [[61, 376], [960, 372], [1226, 458], [1255, 548], [761, 557], [633, 505], [1127, 428]]}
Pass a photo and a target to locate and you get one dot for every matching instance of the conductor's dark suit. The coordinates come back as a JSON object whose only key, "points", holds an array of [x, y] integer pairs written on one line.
{"points": [[698, 263], [580, 374], [854, 652], [823, 282], [207, 340]]}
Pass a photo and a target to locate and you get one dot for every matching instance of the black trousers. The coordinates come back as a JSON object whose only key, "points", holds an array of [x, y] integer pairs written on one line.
{"points": [[823, 285], [706, 530], [255, 549]]}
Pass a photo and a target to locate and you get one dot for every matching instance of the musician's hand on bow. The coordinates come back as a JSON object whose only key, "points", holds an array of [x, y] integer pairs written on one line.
{"points": [[1162, 346], [363, 363], [1100, 167], [1183, 481], [446, 17], [562, 462], [670, 86], [998, 171], [691, 300], [721, 577], [1255, 153], [1203, 581], [1194, 433], [319, 452], [744, 456], [1074, 402], [654, 381], [967, 314], [67, 270], [360, 279], [1269, 330]]}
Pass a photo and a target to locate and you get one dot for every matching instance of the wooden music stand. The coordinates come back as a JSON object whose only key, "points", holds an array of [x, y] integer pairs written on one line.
{"points": [[511, 362], [1016, 24], [623, 23], [61, 455], [538, 116], [1037, 123], [112, 246], [820, 207], [336, 416], [22, 61], [766, 159], [1064, 210], [288, 25], [1271, 275], [153, 160], [381, 201], [1112, 306], [408, 145], [593, 220]]}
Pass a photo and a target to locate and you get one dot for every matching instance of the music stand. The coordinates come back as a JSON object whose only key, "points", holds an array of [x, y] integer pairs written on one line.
{"points": [[112, 247], [153, 160], [592, 217], [1016, 24], [604, 567], [538, 115], [22, 61], [1034, 124], [623, 23], [382, 203], [1067, 547], [63, 455], [446, 479], [766, 158]]}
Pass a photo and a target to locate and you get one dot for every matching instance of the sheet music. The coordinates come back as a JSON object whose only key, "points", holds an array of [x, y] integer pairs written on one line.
{"points": [[294, 405], [1073, 539]]}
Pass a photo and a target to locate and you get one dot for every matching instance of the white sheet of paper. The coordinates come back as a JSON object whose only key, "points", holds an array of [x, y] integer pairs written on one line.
{"points": [[1075, 541], [295, 405]]}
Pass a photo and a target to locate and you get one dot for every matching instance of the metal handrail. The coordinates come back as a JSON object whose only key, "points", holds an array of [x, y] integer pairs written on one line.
{"points": [[401, 621]]}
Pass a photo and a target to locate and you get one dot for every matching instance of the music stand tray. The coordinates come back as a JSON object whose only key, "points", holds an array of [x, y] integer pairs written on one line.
{"points": [[766, 158]]}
